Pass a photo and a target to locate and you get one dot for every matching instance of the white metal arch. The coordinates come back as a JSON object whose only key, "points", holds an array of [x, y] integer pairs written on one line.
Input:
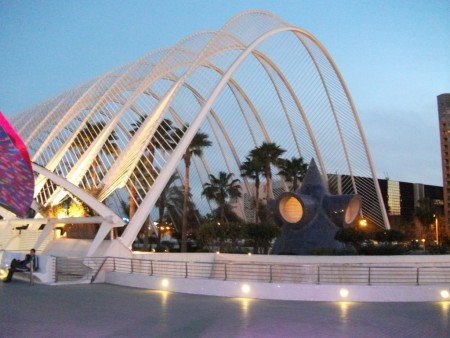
{"points": [[108, 219], [153, 87], [195, 125]]}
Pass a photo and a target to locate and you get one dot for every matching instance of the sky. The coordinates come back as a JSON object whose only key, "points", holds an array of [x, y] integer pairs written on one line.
{"points": [[394, 57]]}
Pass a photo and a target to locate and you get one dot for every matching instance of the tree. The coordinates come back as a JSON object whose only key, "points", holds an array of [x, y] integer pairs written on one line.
{"points": [[350, 237], [171, 197], [220, 189], [144, 170], [174, 205], [253, 168], [199, 142], [207, 235], [88, 135], [163, 138], [260, 236], [425, 213], [389, 236], [293, 170], [229, 214], [73, 207], [225, 237], [163, 199], [268, 153]]}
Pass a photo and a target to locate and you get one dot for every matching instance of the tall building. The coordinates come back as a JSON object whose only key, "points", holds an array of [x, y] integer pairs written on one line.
{"points": [[401, 199], [443, 102]]}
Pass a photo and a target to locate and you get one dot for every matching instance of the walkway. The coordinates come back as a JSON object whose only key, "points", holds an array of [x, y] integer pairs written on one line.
{"points": [[102, 310]]}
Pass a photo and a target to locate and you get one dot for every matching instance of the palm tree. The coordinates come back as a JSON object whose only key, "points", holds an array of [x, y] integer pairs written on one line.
{"points": [[425, 213], [293, 170], [253, 168], [174, 208], [85, 138], [144, 171], [83, 141], [163, 199], [161, 203], [141, 176], [162, 139], [199, 142], [220, 189], [268, 153]]}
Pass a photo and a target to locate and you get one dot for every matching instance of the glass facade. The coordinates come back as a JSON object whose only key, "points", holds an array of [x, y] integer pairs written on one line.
{"points": [[394, 198]]}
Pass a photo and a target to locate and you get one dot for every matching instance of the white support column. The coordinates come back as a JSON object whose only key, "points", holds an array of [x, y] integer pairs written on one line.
{"points": [[10, 223], [106, 226], [113, 220], [5, 228], [45, 232], [6, 214], [91, 201]]}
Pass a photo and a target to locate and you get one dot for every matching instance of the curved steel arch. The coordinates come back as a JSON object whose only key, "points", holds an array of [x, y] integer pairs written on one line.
{"points": [[181, 73], [194, 127]]}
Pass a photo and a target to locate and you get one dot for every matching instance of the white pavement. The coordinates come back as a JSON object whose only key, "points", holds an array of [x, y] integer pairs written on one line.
{"points": [[103, 310]]}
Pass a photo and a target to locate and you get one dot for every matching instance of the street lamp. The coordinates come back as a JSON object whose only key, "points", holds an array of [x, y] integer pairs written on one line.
{"points": [[363, 222], [436, 224]]}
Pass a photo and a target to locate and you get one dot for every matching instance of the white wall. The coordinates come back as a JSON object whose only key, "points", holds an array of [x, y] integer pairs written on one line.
{"points": [[291, 291], [282, 291]]}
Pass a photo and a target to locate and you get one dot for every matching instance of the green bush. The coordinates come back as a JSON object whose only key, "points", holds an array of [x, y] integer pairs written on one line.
{"points": [[434, 249], [382, 250], [260, 235]]}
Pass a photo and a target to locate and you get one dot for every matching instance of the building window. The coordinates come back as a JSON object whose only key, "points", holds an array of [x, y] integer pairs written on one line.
{"points": [[394, 198]]}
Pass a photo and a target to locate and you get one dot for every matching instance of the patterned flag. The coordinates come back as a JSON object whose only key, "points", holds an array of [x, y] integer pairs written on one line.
{"points": [[16, 173]]}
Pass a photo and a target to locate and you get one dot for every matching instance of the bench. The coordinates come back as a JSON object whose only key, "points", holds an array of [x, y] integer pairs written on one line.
{"points": [[44, 273]]}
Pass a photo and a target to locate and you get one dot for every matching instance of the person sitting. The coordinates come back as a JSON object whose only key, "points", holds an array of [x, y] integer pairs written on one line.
{"points": [[30, 263]]}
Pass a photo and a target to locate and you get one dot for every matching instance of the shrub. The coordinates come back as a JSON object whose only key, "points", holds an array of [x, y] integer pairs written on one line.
{"points": [[383, 250], [434, 249]]}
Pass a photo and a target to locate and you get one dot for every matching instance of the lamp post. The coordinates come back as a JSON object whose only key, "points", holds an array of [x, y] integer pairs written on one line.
{"points": [[362, 222], [436, 224]]}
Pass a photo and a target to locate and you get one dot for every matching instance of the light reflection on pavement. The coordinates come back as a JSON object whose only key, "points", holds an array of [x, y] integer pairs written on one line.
{"points": [[102, 310]]}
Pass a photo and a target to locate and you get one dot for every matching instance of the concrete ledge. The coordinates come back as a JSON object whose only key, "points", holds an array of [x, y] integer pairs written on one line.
{"points": [[43, 275], [284, 291]]}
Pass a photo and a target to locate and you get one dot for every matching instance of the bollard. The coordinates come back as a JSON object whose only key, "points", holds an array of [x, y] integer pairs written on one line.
{"points": [[31, 271]]}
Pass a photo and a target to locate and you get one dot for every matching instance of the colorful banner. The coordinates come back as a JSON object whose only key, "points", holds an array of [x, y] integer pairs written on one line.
{"points": [[16, 173]]}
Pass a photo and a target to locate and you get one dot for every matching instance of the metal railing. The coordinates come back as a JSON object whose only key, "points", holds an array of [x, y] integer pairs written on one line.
{"points": [[71, 269], [260, 272]]}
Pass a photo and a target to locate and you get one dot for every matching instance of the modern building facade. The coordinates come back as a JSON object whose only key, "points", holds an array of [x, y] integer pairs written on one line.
{"points": [[401, 199], [443, 102]]}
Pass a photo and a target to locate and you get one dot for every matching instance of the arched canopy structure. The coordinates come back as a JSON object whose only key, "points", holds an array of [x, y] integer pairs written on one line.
{"points": [[257, 79]]}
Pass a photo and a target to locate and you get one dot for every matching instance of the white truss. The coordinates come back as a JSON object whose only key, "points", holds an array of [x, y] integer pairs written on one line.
{"points": [[257, 79]]}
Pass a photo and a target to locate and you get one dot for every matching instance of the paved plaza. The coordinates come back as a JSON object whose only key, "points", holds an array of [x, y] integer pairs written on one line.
{"points": [[102, 310]]}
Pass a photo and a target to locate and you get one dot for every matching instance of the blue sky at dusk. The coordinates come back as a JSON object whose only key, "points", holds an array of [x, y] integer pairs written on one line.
{"points": [[394, 57]]}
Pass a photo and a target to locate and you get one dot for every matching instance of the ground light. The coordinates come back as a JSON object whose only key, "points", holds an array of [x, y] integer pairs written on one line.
{"points": [[165, 283], [245, 305], [343, 306], [245, 288], [445, 294], [343, 293]]}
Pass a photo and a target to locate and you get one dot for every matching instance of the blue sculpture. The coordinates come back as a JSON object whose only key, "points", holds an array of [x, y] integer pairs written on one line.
{"points": [[311, 217]]}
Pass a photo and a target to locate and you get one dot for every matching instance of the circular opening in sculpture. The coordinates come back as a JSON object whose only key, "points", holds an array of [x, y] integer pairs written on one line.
{"points": [[291, 209], [352, 211]]}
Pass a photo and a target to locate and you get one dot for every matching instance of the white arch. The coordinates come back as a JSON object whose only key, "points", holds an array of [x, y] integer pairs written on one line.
{"points": [[108, 218], [172, 75]]}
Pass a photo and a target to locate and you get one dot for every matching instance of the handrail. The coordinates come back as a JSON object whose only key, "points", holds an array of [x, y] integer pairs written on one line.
{"points": [[361, 274], [98, 270], [369, 274]]}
